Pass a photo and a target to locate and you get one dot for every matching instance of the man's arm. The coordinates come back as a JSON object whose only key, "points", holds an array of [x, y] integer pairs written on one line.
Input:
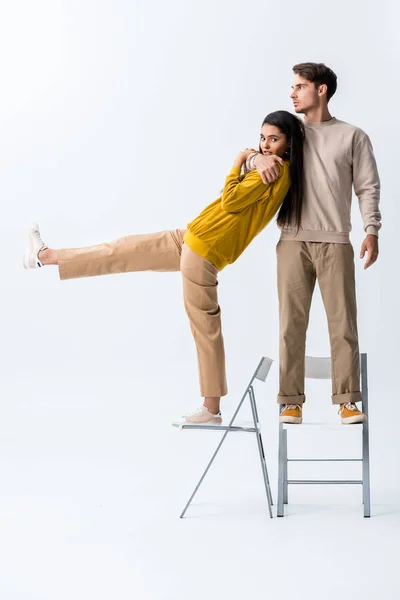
{"points": [[367, 188], [248, 164], [267, 167]]}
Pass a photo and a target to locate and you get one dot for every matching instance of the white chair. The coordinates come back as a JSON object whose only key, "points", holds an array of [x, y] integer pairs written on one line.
{"points": [[253, 426], [320, 368]]}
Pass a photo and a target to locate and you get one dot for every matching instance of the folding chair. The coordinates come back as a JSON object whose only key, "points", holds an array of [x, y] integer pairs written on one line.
{"points": [[320, 368], [260, 373]]}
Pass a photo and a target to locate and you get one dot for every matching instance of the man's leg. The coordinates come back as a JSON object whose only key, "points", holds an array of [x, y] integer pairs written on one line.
{"points": [[335, 273], [296, 282]]}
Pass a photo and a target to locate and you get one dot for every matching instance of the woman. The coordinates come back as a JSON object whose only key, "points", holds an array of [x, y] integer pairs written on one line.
{"points": [[216, 238]]}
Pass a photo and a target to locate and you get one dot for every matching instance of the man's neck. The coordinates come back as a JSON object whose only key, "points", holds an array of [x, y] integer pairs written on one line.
{"points": [[318, 115]]}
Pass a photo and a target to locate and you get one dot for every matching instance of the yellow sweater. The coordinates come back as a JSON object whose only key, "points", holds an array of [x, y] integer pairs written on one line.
{"points": [[226, 227]]}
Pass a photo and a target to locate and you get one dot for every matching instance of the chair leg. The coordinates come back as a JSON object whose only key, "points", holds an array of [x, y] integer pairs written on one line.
{"points": [[285, 483], [205, 472], [261, 445], [216, 451], [281, 471], [365, 439], [366, 473], [261, 451]]}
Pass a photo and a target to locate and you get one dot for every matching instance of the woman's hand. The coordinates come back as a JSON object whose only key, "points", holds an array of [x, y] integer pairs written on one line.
{"points": [[247, 151], [243, 155]]}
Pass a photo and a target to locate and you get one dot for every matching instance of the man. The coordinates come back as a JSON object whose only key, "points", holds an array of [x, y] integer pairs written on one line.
{"points": [[337, 155]]}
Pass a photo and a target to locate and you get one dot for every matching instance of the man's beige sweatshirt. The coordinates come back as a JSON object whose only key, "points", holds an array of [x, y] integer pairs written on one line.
{"points": [[337, 155]]}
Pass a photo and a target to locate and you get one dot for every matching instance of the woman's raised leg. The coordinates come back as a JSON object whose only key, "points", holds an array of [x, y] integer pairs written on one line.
{"points": [[159, 251]]}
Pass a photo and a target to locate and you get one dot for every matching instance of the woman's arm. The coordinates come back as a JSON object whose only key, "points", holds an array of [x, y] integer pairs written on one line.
{"points": [[243, 156], [240, 192]]}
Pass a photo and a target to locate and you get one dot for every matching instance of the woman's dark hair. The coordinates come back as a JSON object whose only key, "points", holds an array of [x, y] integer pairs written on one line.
{"points": [[290, 212]]}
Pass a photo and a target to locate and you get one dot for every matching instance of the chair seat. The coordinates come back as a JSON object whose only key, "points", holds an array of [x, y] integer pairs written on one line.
{"points": [[239, 426], [321, 426]]}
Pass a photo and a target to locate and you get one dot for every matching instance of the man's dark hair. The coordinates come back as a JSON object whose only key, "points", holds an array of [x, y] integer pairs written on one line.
{"points": [[319, 74]]}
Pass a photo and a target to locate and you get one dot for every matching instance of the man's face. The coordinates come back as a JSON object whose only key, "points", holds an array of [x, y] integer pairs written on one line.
{"points": [[304, 95]]}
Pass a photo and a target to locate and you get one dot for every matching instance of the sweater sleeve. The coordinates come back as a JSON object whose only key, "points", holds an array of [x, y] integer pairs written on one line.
{"points": [[240, 192], [248, 164], [367, 185]]}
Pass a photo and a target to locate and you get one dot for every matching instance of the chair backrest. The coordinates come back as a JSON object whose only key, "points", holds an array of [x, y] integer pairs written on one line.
{"points": [[318, 368], [321, 368], [263, 368]]}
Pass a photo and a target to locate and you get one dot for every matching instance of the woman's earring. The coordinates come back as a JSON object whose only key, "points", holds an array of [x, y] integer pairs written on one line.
{"points": [[288, 153]]}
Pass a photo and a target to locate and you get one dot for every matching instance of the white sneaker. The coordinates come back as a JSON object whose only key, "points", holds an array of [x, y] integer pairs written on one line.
{"points": [[34, 246], [201, 416]]}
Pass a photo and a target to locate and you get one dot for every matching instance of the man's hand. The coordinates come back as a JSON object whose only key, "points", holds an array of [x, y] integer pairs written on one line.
{"points": [[267, 167], [370, 245]]}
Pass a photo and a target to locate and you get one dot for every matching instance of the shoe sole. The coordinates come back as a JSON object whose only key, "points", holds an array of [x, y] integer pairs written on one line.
{"points": [[292, 420], [213, 422], [354, 420], [26, 261]]}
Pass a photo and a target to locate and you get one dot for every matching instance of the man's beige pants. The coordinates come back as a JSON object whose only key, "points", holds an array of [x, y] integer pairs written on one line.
{"points": [[165, 251], [300, 264]]}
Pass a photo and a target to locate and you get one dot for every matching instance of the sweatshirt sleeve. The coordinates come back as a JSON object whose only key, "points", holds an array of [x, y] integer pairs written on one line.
{"points": [[240, 192], [367, 185], [248, 164]]}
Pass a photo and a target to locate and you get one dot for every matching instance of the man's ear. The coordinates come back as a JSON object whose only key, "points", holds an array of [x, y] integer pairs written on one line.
{"points": [[322, 89]]}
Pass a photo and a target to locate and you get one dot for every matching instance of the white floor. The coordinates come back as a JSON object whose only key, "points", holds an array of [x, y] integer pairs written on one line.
{"points": [[92, 489]]}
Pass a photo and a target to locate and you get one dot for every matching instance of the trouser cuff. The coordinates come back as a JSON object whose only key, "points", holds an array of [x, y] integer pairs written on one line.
{"points": [[345, 398], [299, 399], [215, 392]]}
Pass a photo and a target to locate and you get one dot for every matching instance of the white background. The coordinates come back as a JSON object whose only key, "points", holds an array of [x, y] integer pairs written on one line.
{"points": [[124, 117]]}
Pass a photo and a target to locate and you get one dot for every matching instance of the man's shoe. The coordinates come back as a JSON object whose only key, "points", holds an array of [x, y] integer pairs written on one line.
{"points": [[291, 413], [350, 414], [201, 416], [34, 245]]}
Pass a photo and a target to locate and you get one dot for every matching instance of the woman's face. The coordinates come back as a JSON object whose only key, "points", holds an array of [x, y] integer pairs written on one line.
{"points": [[273, 141]]}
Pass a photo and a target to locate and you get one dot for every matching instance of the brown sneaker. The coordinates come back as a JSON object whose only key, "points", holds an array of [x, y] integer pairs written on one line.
{"points": [[350, 414], [291, 413]]}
